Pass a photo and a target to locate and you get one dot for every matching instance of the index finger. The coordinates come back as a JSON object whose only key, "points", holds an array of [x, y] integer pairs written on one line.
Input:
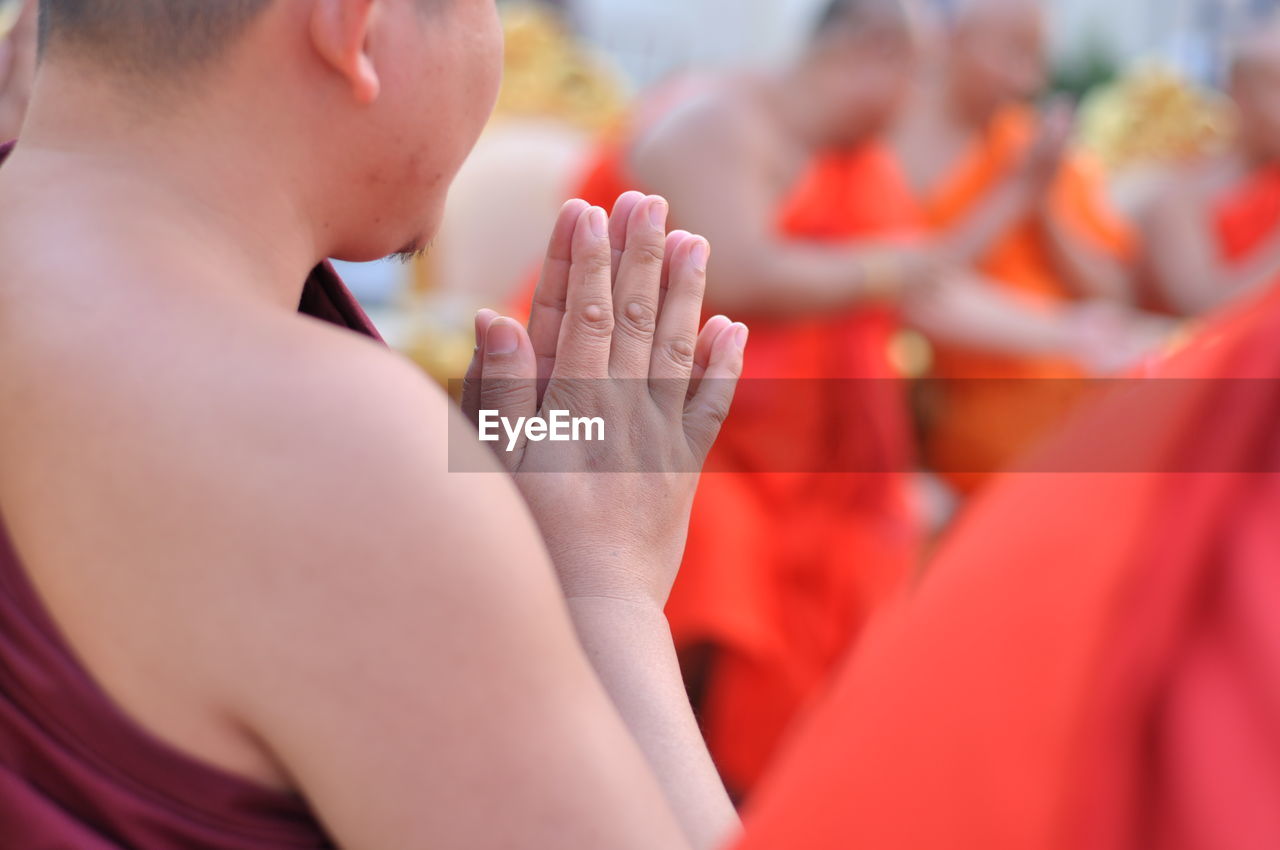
{"points": [[586, 333], [618, 221], [546, 315]]}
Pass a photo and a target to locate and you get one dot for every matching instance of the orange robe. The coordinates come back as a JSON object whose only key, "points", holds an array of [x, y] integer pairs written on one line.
{"points": [[1094, 660], [1249, 215], [786, 558], [986, 409]]}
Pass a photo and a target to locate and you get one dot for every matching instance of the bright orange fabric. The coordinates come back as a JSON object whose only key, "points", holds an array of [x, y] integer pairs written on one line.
{"points": [[1092, 661], [1248, 215], [785, 559], [981, 425]]}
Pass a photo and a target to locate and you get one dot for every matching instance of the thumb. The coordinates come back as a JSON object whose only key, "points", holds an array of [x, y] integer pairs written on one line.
{"points": [[509, 380]]}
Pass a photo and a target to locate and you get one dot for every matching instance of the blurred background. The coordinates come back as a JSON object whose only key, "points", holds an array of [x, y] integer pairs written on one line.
{"points": [[1147, 72]]}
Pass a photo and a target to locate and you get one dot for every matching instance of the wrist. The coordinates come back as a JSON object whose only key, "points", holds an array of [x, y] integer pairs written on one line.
{"points": [[880, 276], [615, 575], [631, 608], [625, 624]]}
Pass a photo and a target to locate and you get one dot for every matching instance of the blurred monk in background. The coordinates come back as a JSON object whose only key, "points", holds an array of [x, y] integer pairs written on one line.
{"points": [[820, 243], [1005, 196], [1213, 235], [812, 223]]}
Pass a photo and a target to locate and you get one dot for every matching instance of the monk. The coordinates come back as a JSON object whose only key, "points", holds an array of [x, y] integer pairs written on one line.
{"points": [[1006, 196], [809, 522], [17, 65], [1213, 235], [244, 602], [1092, 660], [810, 218]]}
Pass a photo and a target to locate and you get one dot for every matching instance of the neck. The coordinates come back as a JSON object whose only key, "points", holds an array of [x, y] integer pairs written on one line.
{"points": [[195, 191]]}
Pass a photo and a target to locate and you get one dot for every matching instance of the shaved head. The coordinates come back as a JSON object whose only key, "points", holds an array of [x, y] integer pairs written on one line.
{"points": [[997, 55], [860, 64], [983, 11], [146, 35], [1255, 88], [1259, 48], [838, 14]]}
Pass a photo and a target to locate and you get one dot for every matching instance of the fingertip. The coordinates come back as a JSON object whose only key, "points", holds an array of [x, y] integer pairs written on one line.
{"points": [[503, 337], [630, 196], [598, 222], [624, 210], [484, 318], [565, 226], [699, 253], [732, 338], [570, 214], [712, 330], [656, 209], [573, 207]]}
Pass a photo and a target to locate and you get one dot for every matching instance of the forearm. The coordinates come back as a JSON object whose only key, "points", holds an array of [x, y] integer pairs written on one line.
{"points": [[787, 280], [976, 314], [629, 645], [1088, 272], [974, 236]]}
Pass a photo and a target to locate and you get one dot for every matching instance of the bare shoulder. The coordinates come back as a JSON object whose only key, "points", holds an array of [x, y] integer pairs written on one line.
{"points": [[266, 425], [250, 487], [722, 122]]}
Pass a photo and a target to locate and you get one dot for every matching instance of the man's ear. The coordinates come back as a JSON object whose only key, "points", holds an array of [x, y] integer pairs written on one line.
{"points": [[340, 34]]}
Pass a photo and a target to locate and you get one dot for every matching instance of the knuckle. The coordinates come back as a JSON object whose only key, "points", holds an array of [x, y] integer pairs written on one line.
{"points": [[596, 318], [680, 351], [571, 394], [717, 414], [702, 435], [647, 254], [696, 284], [639, 317], [506, 387], [550, 302], [597, 262]]}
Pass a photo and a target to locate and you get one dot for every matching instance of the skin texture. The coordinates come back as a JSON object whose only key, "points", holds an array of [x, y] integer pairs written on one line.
{"points": [[1188, 270], [183, 455]]}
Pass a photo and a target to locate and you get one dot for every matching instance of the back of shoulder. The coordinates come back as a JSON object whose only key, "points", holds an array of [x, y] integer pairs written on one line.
{"points": [[716, 123], [231, 436]]}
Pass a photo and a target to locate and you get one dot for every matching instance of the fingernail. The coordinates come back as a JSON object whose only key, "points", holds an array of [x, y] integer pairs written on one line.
{"points": [[502, 338], [658, 213], [700, 254], [740, 335], [599, 222]]}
